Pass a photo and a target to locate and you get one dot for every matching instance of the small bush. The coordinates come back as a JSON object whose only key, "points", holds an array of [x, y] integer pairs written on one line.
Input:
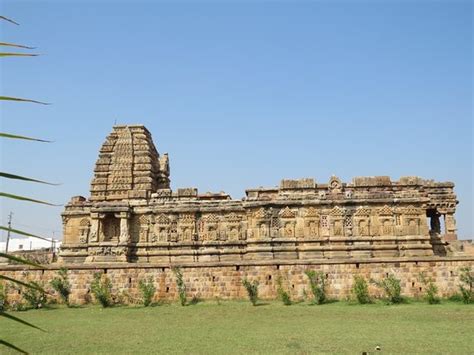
{"points": [[17, 306], [101, 288], [282, 294], [317, 282], [147, 289], [467, 284], [252, 290], [180, 285], [3, 297], [392, 289], [457, 297], [62, 285], [431, 289], [360, 290], [35, 296], [194, 300]]}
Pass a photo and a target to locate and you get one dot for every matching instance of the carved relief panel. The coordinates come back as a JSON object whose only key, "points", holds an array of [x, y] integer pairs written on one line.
{"points": [[233, 227], [84, 228], [187, 227], [385, 221], [311, 223], [287, 223], [412, 217], [362, 221], [261, 229], [161, 230], [211, 227], [144, 228], [337, 222]]}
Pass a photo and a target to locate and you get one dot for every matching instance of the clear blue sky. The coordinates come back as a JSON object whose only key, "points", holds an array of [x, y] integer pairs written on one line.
{"points": [[241, 94]]}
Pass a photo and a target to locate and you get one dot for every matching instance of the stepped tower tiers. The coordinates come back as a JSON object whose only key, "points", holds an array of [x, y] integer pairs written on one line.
{"points": [[133, 216], [129, 166]]}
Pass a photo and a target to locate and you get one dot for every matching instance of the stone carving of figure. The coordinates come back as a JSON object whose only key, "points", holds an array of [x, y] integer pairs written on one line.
{"points": [[313, 229], [163, 235], [263, 230], [174, 235], [363, 228], [387, 227], [186, 234], [234, 233], [289, 230], [337, 228], [412, 227], [212, 233]]}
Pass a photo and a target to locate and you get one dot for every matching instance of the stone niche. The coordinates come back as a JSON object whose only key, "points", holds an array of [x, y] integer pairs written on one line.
{"points": [[133, 216]]}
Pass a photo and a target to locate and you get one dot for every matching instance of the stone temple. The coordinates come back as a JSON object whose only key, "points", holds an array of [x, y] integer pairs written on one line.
{"points": [[133, 216]]}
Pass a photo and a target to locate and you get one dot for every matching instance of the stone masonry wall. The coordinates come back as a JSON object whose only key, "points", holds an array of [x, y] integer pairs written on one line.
{"points": [[225, 282]]}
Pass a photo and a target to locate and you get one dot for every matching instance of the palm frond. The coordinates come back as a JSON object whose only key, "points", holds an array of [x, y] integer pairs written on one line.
{"points": [[9, 20], [11, 346], [3, 54], [26, 234], [15, 136], [16, 319], [24, 178], [9, 98], [20, 260], [24, 284], [6, 44], [23, 198]]}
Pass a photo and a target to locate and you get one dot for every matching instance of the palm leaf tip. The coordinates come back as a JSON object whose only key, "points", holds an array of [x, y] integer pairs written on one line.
{"points": [[3, 54], [9, 20], [27, 199], [15, 136], [26, 234], [10, 98], [32, 285], [9, 316], [6, 44], [24, 178], [11, 346], [20, 260]]}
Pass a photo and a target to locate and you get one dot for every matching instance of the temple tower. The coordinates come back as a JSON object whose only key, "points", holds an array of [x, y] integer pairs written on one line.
{"points": [[129, 166]]}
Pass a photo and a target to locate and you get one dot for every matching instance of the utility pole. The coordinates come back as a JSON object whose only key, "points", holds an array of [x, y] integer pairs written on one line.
{"points": [[8, 232]]}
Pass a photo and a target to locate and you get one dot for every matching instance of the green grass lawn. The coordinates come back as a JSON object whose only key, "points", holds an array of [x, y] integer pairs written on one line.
{"points": [[237, 327]]}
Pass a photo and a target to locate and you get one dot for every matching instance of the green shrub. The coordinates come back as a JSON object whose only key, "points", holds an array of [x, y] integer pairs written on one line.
{"points": [[317, 283], [101, 288], [360, 290], [467, 283], [35, 296], [252, 290], [180, 285], [431, 289], [457, 297], [147, 289], [392, 288], [3, 297], [282, 294], [62, 285]]}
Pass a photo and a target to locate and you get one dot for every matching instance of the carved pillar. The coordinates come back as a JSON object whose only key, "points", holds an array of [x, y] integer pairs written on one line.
{"points": [[94, 232], [124, 226], [450, 226]]}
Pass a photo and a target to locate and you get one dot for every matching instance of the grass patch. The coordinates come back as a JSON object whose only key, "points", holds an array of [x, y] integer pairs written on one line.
{"points": [[237, 327]]}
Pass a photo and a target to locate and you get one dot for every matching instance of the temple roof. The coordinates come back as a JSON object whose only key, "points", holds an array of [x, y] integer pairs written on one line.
{"points": [[129, 166]]}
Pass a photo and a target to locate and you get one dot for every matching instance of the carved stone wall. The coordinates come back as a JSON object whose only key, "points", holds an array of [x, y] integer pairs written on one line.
{"points": [[133, 215]]}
